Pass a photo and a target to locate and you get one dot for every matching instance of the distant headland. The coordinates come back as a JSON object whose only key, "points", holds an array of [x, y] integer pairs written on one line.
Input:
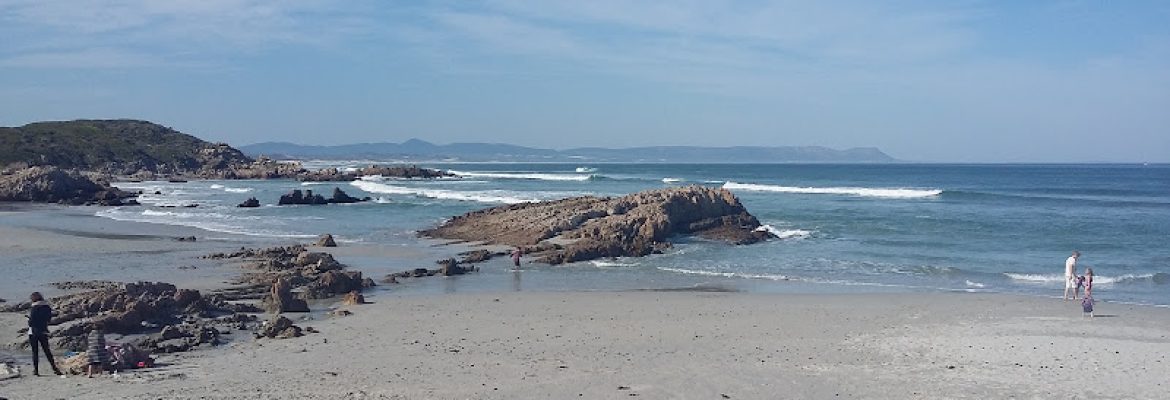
{"points": [[417, 150]]}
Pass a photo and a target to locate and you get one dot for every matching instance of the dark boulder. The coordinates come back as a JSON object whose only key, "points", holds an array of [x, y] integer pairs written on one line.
{"points": [[281, 300], [279, 327], [296, 197], [326, 240], [251, 202], [341, 197]]}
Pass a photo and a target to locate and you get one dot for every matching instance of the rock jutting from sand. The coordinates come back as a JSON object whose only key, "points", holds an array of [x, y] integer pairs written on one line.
{"points": [[279, 270], [588, 227], [142, 308], [279, 327], [326, 240], [55, 185]]}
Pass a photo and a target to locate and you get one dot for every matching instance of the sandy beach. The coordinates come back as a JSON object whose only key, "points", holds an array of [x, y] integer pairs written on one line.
{"points": [[674, 345]]}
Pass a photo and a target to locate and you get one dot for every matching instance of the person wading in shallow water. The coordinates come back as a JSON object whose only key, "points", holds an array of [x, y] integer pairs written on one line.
{"points": [[38, 331], [516, 258]]}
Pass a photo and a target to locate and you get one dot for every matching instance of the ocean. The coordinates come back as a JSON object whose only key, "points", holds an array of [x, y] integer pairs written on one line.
{"points": [[842, 228]]}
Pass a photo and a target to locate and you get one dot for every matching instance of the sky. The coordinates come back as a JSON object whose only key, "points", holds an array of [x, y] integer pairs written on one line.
{"points": [[944, 81]]}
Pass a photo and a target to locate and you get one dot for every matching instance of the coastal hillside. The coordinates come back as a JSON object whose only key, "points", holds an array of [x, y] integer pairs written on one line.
{"points": [[120, 147], [419, 150]]}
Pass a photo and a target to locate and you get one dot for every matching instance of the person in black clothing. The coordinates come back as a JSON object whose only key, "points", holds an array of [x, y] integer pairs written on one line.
{"points": [[38, 331]]}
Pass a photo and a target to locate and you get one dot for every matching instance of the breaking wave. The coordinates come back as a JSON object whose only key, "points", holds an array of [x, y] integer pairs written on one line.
{"points": [[530, 176], [785, 233], [483, 197], [773, 277], [611, 264], [849, 191], [1158, 278], [213, 222]]}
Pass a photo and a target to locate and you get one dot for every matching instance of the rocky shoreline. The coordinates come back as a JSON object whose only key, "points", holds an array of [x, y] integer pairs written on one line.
{"points": [[587, 228]]}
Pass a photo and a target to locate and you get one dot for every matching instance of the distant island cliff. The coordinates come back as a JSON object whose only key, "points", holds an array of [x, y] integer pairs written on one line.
{"points": [[419, 150]]}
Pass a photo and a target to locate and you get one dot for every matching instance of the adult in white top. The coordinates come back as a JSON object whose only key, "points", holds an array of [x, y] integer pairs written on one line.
{"points": [[1070, 275]]}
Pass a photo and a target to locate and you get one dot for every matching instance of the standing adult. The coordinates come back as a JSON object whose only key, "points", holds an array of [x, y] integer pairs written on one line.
{"points": [[38, 331], [1070, 275]]}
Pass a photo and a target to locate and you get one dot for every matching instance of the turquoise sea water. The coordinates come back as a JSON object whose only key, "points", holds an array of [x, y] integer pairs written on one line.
{"points": [[1001, 228]]}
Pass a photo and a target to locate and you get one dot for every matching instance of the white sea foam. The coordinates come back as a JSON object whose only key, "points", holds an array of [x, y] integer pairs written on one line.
{"points": [[213, 222], [1098, 279], [237, 190], [773, 277], [483, 197], [975, 284], [849, 191], [611, 264], [586, 170], [785, 233], [530, 176], [1036, 277], [216, 186], [671, 180]]}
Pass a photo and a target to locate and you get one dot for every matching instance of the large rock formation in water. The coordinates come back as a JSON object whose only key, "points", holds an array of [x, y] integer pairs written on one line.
{"points": [[586, 228], [55, 185]]}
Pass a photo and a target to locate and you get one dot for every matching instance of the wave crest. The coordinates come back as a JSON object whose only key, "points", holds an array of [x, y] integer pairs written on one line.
{"points": [[785, 233], [1157, 278], [483, 197], [850, 191], [529, 176]]}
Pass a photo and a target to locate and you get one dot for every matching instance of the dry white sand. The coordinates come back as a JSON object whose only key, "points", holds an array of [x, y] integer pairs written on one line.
{"points": [[675, 345]]}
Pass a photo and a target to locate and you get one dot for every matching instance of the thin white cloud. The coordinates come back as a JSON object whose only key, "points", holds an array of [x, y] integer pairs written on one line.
{"points": [[193, 31]]}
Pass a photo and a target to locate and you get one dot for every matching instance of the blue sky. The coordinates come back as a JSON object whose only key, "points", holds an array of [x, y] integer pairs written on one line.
{"points": [[962, 81]]}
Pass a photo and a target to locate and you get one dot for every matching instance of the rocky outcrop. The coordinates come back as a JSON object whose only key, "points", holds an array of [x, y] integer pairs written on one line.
{"points": [[281, 300], [403, 172], [55, 185], [587, 228], [251, 202], [280, 270], [326, 240], [308, 198], [353, 298], [340, 197], [141, 307], [303, 198], [280, 327]]}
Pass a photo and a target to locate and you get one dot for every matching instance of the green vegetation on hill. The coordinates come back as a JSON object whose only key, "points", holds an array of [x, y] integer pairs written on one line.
{"points": [[113, 146]]}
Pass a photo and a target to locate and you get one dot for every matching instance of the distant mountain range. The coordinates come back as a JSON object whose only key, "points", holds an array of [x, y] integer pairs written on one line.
{"points": [[415, 150]]}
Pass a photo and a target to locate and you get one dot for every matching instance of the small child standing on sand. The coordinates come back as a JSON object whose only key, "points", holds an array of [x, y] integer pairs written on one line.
{"points": [[1087, 306], [96, 352]]}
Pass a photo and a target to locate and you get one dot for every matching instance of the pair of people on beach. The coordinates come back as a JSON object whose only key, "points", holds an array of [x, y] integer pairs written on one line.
{"points": [[39, 315]]}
